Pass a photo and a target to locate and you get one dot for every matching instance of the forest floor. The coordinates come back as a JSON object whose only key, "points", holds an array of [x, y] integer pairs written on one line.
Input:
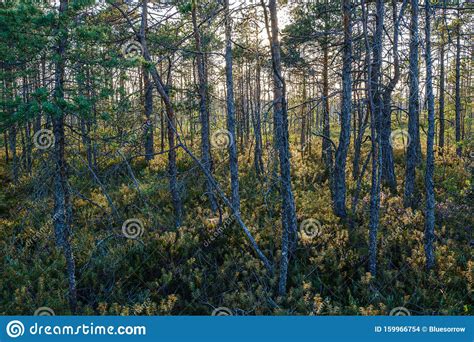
{"points": [[204, 265]]}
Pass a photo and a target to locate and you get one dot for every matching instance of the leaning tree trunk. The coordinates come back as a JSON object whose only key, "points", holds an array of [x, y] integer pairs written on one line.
{"points": [[172, 169], [62, 205], [429, 178], [233, 161], [339, 195], [160, 87], [413, 110], [203, 108]]}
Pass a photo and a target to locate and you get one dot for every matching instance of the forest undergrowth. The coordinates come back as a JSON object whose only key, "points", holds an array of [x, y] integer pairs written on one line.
{"points": [[208, 263]]}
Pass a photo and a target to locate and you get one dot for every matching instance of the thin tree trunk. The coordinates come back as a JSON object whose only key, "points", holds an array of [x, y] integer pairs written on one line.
{"points": [[203, 108], [258, 159], [85, 118], [148, 128], [172, 169], [233, 157], [12, 136], [429, 181], [170, 113], [441, 91], [289, 225], [303, 117], [373, 70], [62, 205], [339, 197], [326, 144], [5, 141], [388, 165], [363, 115], [458, 87], [413, 110]]}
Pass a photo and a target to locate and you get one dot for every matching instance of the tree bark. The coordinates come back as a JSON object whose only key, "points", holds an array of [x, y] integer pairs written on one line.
{"points": [[410, 199], [429, 175], [289, 225], [441, 91], [388, 165], [258, 159], [203, 108], [326, 144], [233, 157], [162, 90], [148, 127], [458, 88], [339, 198], [159, 85], [373, 74], [12, 143], [62, 205]]}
